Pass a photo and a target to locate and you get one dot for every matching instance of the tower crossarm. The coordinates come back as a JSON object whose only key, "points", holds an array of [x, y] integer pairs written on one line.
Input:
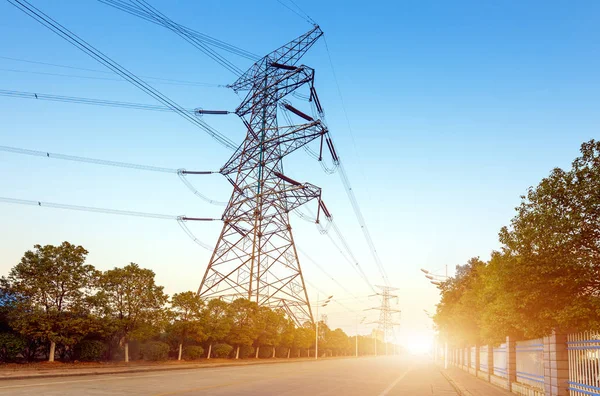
{"points": [[287, 140], [285, 56], [280, 83]]}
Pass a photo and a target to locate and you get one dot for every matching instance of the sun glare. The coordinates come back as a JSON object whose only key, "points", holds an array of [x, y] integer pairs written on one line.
{"points": [[420, 343]]}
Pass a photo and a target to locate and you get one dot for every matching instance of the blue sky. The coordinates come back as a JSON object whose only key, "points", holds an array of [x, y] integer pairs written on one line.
{"points": [[455, 109]]}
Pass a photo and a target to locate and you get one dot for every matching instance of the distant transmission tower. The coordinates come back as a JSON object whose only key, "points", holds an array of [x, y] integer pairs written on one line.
{"points": [[386, 321], [255, 256]]}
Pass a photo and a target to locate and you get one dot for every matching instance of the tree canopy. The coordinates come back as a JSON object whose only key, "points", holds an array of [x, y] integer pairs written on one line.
{"points": [[546, 275]]}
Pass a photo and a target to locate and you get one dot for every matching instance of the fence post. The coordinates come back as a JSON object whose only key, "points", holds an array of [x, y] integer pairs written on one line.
{"points": [[468, 358], [490, 362], [511, 361], [556, 365], [477, 357]]}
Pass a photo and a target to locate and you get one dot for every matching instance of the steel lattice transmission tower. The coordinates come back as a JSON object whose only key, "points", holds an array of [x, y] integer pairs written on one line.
{"points": [[386, 321], [255, 256]]}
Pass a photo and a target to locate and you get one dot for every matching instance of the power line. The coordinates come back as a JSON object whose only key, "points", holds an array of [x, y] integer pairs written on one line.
{"points": [[145, 11], [102, 210], [158, 79], [136, 11], [348, 187], [85, 47], [88, 101], [180, 172]]}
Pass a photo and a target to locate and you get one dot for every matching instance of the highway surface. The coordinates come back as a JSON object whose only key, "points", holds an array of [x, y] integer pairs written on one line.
{"points": [[379, 376]]}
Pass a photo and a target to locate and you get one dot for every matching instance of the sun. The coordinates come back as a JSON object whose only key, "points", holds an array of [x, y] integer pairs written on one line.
{"points": [[420, 344]]}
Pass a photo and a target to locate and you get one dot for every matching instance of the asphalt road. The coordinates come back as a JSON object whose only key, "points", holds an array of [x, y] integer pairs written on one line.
{"points": [[364, 376]]}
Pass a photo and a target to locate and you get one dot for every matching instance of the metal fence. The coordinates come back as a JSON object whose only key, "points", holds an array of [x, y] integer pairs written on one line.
{"points": [[584, 363], [500, 361], [472, 351], [530, 362], [483, 358]]}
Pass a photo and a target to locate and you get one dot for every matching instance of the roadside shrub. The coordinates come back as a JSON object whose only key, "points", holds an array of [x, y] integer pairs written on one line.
{"points": [[221, 350], [91, 350], [246, 351], [155, 350], [193, 352], [11, 345]]}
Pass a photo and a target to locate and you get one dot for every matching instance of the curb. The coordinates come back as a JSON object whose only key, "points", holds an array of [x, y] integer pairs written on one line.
{"points": [[153, 369], [457, 387]]}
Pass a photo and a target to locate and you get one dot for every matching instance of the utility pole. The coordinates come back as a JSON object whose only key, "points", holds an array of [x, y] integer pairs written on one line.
{"points": [[356, 338], [319, 304], [386, 322]]}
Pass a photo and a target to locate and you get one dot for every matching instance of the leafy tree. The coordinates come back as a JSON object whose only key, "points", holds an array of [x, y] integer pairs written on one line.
{"points": [[338, 341], [269, 328], [51, 285], [459, 312], [287, 333], [133, 301], [216, 322], [554, 246], [244, 329], [304, 337], [187, 312]]}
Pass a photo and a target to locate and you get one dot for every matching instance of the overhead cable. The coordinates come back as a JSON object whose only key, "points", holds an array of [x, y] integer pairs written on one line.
{"points": [[102, 210], [148, 12], [133, 10], [87, 101], [81, 44], [157, 79], [180, 172]]}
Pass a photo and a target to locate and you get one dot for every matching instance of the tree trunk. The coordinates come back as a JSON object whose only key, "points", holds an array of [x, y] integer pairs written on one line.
{"points": [[289, 351], [52, 349], [257, 349], [127, 352], [237, 352], [299, 352], [180, 348], [273, 352], [209, 350]]}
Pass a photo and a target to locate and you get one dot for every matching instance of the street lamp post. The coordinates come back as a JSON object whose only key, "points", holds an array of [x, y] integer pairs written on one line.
{"points": [[356, 338], [437, 280], [319, 304]]}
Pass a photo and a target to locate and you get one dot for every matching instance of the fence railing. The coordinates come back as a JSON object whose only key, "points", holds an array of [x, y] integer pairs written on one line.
{"points": [[472, 352], [584, 363], [483, 358], [530, 362], [500, 361]]}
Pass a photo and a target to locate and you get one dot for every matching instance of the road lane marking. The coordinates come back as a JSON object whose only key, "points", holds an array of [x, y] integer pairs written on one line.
{"points": [[393, 384]]}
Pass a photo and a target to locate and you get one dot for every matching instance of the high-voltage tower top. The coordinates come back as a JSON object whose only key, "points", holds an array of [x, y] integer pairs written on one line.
{"points": [[386, 321], [255, 256]]}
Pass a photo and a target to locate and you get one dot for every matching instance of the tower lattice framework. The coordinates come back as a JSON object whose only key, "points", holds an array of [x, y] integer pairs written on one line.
{"points": [[386, 321], [255, 256]]}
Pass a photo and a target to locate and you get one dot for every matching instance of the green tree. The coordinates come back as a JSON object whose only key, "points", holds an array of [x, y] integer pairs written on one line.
{"points": [[244, 328], [288, 331], [459, 312], [269, 328], [304, 337], [187, 312], [216, 321], [554, 246], [51, 286], [134, 303]]}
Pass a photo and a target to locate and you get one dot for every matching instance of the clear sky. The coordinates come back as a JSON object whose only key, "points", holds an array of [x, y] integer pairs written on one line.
{"points": [[455, 109]]}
